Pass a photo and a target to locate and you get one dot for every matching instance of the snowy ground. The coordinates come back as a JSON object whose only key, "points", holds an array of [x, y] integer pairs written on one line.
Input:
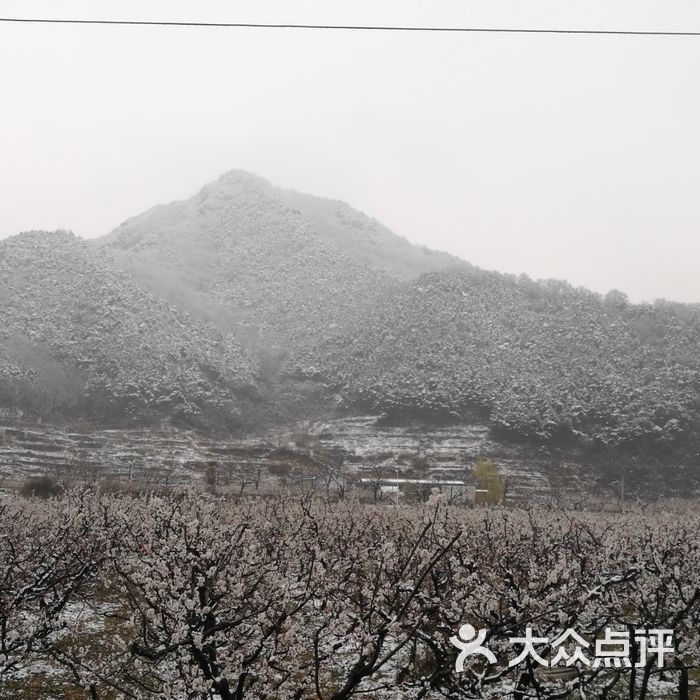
{"points": [[353, 446]]}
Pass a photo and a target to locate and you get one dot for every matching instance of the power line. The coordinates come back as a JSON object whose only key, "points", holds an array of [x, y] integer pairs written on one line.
{"points": [[346, 27]]}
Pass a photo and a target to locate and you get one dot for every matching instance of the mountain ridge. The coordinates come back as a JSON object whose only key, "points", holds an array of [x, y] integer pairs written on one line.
{"points": [[324, 309]]}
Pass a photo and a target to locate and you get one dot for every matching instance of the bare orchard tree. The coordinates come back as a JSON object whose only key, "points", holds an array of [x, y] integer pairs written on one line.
{"points": [[51, 554], [196, 596]]}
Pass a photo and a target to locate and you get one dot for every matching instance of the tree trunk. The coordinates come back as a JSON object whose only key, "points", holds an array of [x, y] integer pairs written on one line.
{"points": [[683, 685]]}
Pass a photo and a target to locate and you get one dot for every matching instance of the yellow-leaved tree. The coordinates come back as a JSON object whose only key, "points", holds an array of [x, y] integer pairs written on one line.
{"points": [[490, 487]]}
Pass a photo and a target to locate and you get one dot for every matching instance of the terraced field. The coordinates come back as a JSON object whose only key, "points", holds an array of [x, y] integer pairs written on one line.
{"points": [[298, 456]]}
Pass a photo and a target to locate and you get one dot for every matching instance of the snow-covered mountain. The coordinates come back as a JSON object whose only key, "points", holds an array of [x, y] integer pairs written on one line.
{"points": [[270, 304], [79, 336], [542, 362]]}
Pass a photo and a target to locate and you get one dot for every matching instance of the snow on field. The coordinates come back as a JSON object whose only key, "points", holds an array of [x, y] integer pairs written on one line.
{"points": [[352, 446]]}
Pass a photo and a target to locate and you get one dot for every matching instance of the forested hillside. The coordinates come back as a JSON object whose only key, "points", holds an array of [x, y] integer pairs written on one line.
{"points": [[544, 361], [365, 239], [236, 254], [78, 336]]}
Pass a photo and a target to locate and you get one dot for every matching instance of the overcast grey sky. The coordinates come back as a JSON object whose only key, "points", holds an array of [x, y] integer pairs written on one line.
{"points": [[574, 157]]}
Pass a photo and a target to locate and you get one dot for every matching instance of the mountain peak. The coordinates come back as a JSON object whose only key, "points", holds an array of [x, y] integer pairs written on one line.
{"points": [[244, 205], [238, 175], [236, 180]]}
